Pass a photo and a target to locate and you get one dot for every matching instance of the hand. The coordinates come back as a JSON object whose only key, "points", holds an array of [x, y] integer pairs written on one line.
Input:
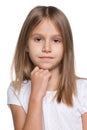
{"points": [[39, 79]]}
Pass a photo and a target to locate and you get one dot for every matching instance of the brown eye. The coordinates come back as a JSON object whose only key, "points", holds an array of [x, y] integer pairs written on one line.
{"points": [[57, 40], [37, 39]]}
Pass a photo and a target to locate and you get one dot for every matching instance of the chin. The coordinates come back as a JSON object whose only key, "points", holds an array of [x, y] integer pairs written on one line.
{"points": [[46, 67]]}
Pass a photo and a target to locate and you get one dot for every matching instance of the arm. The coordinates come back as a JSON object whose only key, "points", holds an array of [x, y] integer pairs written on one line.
{"points": [[34, 116], [39, 80], [33, 119], [84, 121], [18, 116]]}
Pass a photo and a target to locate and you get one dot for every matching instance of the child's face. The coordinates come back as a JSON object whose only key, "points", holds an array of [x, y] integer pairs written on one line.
{"points": [[45, 45]]}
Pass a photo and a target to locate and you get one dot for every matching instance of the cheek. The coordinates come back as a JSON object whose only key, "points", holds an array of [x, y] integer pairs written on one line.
{"points": [[59, 51], [33, 52], [34, 47]]}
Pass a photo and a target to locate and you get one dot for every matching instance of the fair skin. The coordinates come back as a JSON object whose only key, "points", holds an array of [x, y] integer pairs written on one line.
{"points": [[45, 49]]}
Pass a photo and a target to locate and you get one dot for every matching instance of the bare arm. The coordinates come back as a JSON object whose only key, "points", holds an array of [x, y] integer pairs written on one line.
{"points": [[19, 116], [34, 116], [84, 121], [33, 119]]}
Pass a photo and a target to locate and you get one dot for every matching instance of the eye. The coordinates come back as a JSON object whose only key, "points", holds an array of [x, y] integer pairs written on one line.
{"points": [[37, 39], [57, 40]]}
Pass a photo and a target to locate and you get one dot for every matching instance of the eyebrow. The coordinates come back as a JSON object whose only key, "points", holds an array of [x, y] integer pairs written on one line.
{"points": [[53, 35]]}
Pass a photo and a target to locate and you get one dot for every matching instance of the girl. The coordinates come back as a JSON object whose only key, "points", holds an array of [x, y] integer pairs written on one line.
{"points": [[46, 94]]}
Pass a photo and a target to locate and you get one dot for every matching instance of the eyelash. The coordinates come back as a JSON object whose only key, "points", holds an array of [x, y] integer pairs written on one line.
{"points": [[38, 39], [57, 40]]}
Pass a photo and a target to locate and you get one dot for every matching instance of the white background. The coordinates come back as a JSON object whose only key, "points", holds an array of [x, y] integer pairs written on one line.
{"points": [[12, 15]]}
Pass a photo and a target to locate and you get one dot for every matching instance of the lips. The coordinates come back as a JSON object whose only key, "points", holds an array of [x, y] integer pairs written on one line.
{"points": [[46, 57]]}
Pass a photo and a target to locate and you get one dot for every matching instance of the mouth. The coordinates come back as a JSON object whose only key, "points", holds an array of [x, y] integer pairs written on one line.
{"points": [[46, 57]]}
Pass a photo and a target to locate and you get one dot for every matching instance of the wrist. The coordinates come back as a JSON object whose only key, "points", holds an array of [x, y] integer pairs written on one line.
{"points": [[36, 99]]}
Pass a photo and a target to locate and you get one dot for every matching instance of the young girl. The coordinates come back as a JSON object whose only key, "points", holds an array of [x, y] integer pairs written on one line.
{"points": [[46, 94]]}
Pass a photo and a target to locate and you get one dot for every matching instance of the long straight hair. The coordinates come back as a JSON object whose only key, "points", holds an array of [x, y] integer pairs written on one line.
{"points": [[22, 63]]}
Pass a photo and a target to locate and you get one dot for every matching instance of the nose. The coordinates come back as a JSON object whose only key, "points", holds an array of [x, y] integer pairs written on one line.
{"points": [[46, 47]]}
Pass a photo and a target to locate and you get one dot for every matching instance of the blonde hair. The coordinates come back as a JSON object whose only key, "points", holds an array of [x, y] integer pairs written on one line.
{"points": [[22, 63]]}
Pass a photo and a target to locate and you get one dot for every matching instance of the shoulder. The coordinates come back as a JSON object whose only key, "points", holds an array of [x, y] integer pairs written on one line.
{"points": [[82, 94], [25, 87], [81, 85], [19, 98]]}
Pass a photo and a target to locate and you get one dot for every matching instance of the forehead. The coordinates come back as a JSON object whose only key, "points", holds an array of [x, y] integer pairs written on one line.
{"points": [[46, 26]]}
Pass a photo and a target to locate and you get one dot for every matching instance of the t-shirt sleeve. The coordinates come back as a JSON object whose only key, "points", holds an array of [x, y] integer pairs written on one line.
{"points": [[83, 97], [12, 97]]}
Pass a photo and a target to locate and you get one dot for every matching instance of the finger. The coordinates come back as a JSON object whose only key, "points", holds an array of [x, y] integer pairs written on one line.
{"points": [[47, 73], [41, 70], [35, 70]]}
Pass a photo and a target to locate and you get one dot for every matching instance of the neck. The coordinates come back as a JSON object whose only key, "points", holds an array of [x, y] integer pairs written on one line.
{"points": [[54, 80]]}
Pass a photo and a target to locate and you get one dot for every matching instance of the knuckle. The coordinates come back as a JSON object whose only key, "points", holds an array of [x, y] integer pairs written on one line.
{"points": [[36, 74]]}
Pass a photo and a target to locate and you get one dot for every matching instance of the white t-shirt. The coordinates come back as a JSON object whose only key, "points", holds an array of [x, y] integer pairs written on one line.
{"points": [[55, 116]]}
